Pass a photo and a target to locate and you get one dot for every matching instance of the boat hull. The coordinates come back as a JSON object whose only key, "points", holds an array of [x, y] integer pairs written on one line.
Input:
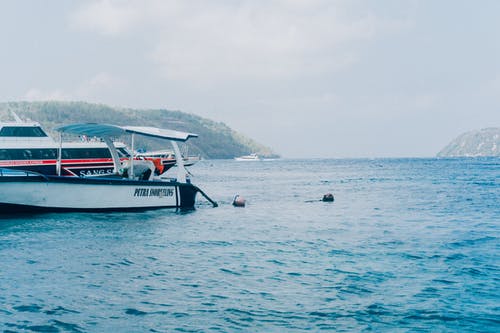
{"points": [[52, 193], [248, 158]]}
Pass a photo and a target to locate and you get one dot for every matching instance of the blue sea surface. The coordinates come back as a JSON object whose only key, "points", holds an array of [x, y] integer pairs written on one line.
{"points": [[409, 245]]}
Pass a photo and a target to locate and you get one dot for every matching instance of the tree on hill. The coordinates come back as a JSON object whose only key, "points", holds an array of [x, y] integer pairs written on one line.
{"points": [[216, 140]]}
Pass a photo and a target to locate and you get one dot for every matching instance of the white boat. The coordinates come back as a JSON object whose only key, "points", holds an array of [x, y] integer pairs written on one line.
{"points": [[167, 158], [132, 186], [24, 145], [251, 157]]}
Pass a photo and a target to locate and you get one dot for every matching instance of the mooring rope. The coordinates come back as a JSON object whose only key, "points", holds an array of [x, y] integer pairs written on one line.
{"points": [[214, 204]]}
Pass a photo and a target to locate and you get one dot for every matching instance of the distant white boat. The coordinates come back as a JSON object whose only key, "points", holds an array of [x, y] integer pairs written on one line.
{"points": [[251, 157]]}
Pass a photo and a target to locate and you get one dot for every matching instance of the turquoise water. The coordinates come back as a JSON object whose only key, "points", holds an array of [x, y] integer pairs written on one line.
{"points": [[408, 245]]}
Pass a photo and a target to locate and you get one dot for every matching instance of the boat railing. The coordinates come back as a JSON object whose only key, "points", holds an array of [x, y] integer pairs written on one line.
{"points": [[114, 175]]}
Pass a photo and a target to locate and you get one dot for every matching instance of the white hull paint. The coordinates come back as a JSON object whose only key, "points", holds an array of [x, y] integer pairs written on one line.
{"points": [[248, 158], [239, 159], [98, 195]]}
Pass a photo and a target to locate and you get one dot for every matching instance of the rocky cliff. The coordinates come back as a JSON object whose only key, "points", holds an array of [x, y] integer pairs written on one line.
{"points": [[484, 142]]}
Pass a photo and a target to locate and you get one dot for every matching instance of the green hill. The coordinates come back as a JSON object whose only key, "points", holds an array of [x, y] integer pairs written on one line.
{"points": [[216, 140]]}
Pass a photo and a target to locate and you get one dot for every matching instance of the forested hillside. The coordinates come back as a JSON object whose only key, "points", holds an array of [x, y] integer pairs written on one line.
{"points": [[216, 140]]}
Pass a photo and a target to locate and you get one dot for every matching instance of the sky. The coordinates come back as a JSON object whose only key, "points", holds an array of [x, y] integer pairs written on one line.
{"points": [[309, 78]]}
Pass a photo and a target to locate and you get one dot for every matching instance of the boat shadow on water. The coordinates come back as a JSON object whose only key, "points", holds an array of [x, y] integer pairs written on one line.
{"points": [[140, 218]]}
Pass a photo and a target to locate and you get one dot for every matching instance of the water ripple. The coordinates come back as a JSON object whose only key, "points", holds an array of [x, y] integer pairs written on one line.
{"points": [[409, 245]]}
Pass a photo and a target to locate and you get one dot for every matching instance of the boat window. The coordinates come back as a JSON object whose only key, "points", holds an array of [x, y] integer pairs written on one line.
{"points": [[22, 131], [122, 152], [27, 154], [84, 153], [45, 154], [4, 154]]}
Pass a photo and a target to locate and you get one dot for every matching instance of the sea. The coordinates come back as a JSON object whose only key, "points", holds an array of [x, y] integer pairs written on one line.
{"points": [[408, 245]]}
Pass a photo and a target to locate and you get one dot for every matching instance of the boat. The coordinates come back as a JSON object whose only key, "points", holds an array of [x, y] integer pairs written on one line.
{"points": [[251, 157], [167, 158], [131, 186], [24, 145]]}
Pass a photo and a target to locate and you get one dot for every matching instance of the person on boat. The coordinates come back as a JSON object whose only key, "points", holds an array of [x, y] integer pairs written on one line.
{"points": [[158, 166], [143, 169]]}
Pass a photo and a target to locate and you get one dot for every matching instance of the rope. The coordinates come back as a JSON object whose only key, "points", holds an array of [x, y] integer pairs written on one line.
{"points": [[214, 204]]}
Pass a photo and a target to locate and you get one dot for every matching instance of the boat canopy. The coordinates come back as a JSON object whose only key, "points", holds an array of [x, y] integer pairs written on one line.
{"points": [[106, 130], [160, 133], [90, 129]]}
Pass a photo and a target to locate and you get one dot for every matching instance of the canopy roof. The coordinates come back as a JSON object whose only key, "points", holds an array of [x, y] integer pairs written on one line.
{"points": [[160, 133], [106, 130]]}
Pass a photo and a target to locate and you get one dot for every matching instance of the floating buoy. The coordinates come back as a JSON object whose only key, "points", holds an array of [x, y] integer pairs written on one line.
{"points": [[239, 201], [328, 198]]}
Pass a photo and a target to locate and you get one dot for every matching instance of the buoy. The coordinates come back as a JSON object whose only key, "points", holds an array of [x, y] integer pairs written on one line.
{"points": [[239, 201], [328, 197]]}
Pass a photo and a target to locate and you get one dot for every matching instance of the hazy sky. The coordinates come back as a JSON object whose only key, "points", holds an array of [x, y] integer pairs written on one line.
{"points": [[310, 78]]}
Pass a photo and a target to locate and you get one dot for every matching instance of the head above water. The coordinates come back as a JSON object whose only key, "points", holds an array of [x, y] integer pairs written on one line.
{"points": [[328, 197]]}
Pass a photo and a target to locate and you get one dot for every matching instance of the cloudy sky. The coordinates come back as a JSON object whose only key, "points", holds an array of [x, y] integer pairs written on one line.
{"points": [[310, 78]]}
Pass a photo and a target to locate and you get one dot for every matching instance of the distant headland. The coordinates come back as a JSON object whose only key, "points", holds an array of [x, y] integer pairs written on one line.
{"points": [[216, 139], [479, 143]]}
